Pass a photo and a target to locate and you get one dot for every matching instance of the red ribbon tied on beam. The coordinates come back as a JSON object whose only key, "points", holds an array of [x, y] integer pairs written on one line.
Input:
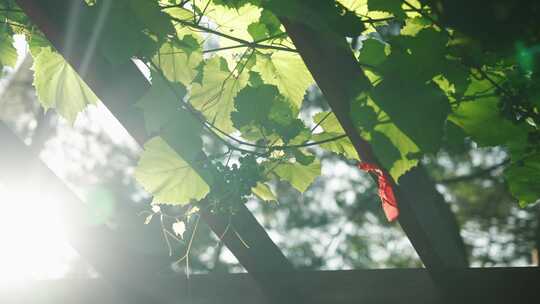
{"points": [[386, 193]]}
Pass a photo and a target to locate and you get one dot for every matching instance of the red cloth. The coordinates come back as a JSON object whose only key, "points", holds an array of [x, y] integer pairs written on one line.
{"points": [[386, 193]]}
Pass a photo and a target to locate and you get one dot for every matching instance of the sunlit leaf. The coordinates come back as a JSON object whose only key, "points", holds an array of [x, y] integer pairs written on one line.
{"points": [[215, 96], [263, 191], [59, 86], [177, 64], [163, 173], [341, 146], [298, 175], [287, 72], [8, 53]]}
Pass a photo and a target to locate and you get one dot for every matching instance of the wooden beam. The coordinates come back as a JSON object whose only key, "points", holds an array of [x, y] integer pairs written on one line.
{"points": [[472, 286], [119, 88], [424, 215]]}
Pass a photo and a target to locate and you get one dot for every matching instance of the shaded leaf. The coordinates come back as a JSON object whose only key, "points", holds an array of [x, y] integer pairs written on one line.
{"points": [[523, 179], [160, 103], [372, 52]]}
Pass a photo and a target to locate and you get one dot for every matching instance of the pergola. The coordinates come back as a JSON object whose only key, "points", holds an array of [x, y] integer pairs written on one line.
{"points": [[131, 277]]}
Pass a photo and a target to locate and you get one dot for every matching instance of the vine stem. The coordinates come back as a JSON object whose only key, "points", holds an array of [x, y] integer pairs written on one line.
{"points": [[247, 43], [188, 250], [427, 17], [211, 126]]}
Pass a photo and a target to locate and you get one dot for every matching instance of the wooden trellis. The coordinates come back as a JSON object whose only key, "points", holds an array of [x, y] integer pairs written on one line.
{"points": [[425, 217]]}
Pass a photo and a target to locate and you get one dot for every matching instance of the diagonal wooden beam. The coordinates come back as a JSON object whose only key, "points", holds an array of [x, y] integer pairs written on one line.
{"points": [[424, 215], [119, 88]]}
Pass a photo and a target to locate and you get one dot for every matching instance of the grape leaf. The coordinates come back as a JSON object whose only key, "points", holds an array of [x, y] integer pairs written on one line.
{"points": [[234, 22], [372, 52], [150, 14], [390, 6], [287, 72], [163, 173], [8, 53], [59, 86], [258, 31], [341, 146], [478, 118], [263, 109], [215, 96], [177, 64], [160, 103], [418, 109], [523, 177], [328, 122], [122, 38], [408, 150], [384, 149], [298, 175], [262, 191], [184, 134]]}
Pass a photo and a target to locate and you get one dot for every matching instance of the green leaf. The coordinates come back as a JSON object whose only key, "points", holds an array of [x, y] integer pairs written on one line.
{"points": [[253, 105], [302, 157], [271, 22], [420, 57], [177, 64], [390, 6], [234, 22], [328, 121], [372, 52], [384, 149], [258, 31], [263, 109], [8, 53], [264, 192], [523, 179], [363, 116], [479, 118], [341, 146], [59, 86], [161, 103], [184, 134], [189, 44], [123, 37], [163, 173], [36, 42], [287, 72], [408, 150], [215, 96], [298, 175], [150, 14], [419, 110]]}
